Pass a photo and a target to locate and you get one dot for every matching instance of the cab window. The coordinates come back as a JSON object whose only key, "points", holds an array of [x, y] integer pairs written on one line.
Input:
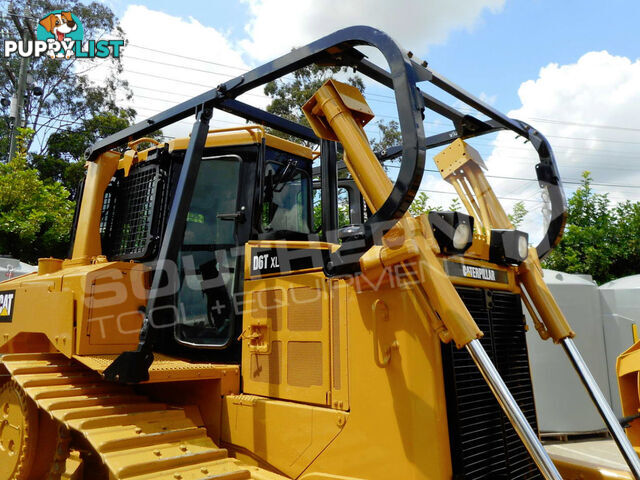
{"points": [[287, 196]]}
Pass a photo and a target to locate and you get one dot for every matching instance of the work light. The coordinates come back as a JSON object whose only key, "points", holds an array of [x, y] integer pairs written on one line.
{"points": [[508, 246], [453, 231]]}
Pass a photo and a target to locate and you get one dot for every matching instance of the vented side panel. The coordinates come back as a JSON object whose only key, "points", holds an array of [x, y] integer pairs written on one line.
{"points": [[304, 364], [484, 445], [304, 307], [267, 304]]}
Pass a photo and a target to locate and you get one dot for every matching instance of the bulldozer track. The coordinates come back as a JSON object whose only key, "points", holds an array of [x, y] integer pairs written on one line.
{"points": [[137, 439]]}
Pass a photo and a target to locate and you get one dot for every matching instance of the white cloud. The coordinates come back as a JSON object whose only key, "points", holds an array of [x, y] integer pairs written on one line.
{"points": [[570, 104], [279, 25], [159, 80]]}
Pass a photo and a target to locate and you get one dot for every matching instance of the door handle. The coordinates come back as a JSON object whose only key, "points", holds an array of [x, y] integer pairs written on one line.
{"points": [[238, 216]]}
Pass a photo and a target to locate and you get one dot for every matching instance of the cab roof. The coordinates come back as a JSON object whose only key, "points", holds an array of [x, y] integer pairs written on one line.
{"points": [[245, 135]]}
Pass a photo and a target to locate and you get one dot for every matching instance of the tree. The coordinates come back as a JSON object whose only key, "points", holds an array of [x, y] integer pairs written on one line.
{"points": [[390, 136], [69, 97], [288, 97], [287, 100], [35, 217], [421, 205], [600, 239], [64, 158], [516, 217], [455, 205]]}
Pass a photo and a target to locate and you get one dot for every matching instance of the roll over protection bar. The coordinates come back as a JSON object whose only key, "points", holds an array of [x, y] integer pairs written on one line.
{"points": [[405, 71], [337, 49]]}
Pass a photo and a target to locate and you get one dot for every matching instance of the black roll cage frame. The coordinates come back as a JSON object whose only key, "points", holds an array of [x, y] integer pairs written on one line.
{"points": [[338, 49]]}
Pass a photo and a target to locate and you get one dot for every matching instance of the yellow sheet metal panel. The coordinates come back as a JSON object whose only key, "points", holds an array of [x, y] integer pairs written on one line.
{"points": [[457, 154], [37, 308], [286, 435], [573, 469], [114, 299], [108, 297], [87, 242], [254, 256], [286, 343], [397, 410], [245, 135], [327, 476], [290, 147], [82, 309], [627, 369], [222, 138]]}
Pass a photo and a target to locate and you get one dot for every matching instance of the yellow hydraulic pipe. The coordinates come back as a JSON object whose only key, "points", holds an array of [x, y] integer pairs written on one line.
{"points": [[87, 242], [360, 160], [479, 193], [530, 275], [339, 112]]}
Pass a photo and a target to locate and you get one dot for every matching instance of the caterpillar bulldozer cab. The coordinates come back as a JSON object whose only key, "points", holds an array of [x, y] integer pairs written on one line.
{"points": [[205, 326]]}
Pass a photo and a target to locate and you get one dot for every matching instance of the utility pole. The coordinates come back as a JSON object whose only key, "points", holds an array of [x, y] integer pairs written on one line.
{"points": [[17, 101]]}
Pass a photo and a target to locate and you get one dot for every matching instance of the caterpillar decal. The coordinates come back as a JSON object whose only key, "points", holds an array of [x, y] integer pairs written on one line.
{"points": [[6, 305]]}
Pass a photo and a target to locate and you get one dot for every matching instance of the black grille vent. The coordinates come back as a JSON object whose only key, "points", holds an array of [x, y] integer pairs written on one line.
{"points": [[132, 213], [484, 445]]}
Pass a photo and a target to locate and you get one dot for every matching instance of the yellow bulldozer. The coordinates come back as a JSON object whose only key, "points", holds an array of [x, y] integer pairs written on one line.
{"points": [[205, 328]]}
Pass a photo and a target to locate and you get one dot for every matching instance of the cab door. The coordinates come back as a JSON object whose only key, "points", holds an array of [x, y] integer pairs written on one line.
{"points": [[286, 347], [209, 262]]}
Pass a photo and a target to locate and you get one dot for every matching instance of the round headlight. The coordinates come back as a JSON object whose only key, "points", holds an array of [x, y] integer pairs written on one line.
{"points": [[523, 247], [461, 236]]}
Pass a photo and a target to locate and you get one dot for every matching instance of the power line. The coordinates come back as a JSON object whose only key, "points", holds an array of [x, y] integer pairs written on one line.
{"points": [[469, 110], [227, 75], [590, 125], [243, 69], [505, 177], [146, 74], [388, 116], [556, 148]]}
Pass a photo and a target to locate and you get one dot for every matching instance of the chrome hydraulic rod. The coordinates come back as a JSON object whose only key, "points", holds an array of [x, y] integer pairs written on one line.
{"points": [[512, 411], [612, 422]]}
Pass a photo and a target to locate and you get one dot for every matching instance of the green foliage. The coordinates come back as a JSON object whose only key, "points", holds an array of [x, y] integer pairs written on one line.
{"points": [[517, 214], [64, 159], [421, 205], [288, 97], [68, 95], [455, 205], [600, 239], [35, 217], [389, 136], [344, 217]]}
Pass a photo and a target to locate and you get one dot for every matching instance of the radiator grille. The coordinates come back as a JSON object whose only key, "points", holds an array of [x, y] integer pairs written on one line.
{"points": [[484, 445]]}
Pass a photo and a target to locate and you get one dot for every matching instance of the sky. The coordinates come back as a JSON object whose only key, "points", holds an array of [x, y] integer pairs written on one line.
{"points": [[570, 68]]}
